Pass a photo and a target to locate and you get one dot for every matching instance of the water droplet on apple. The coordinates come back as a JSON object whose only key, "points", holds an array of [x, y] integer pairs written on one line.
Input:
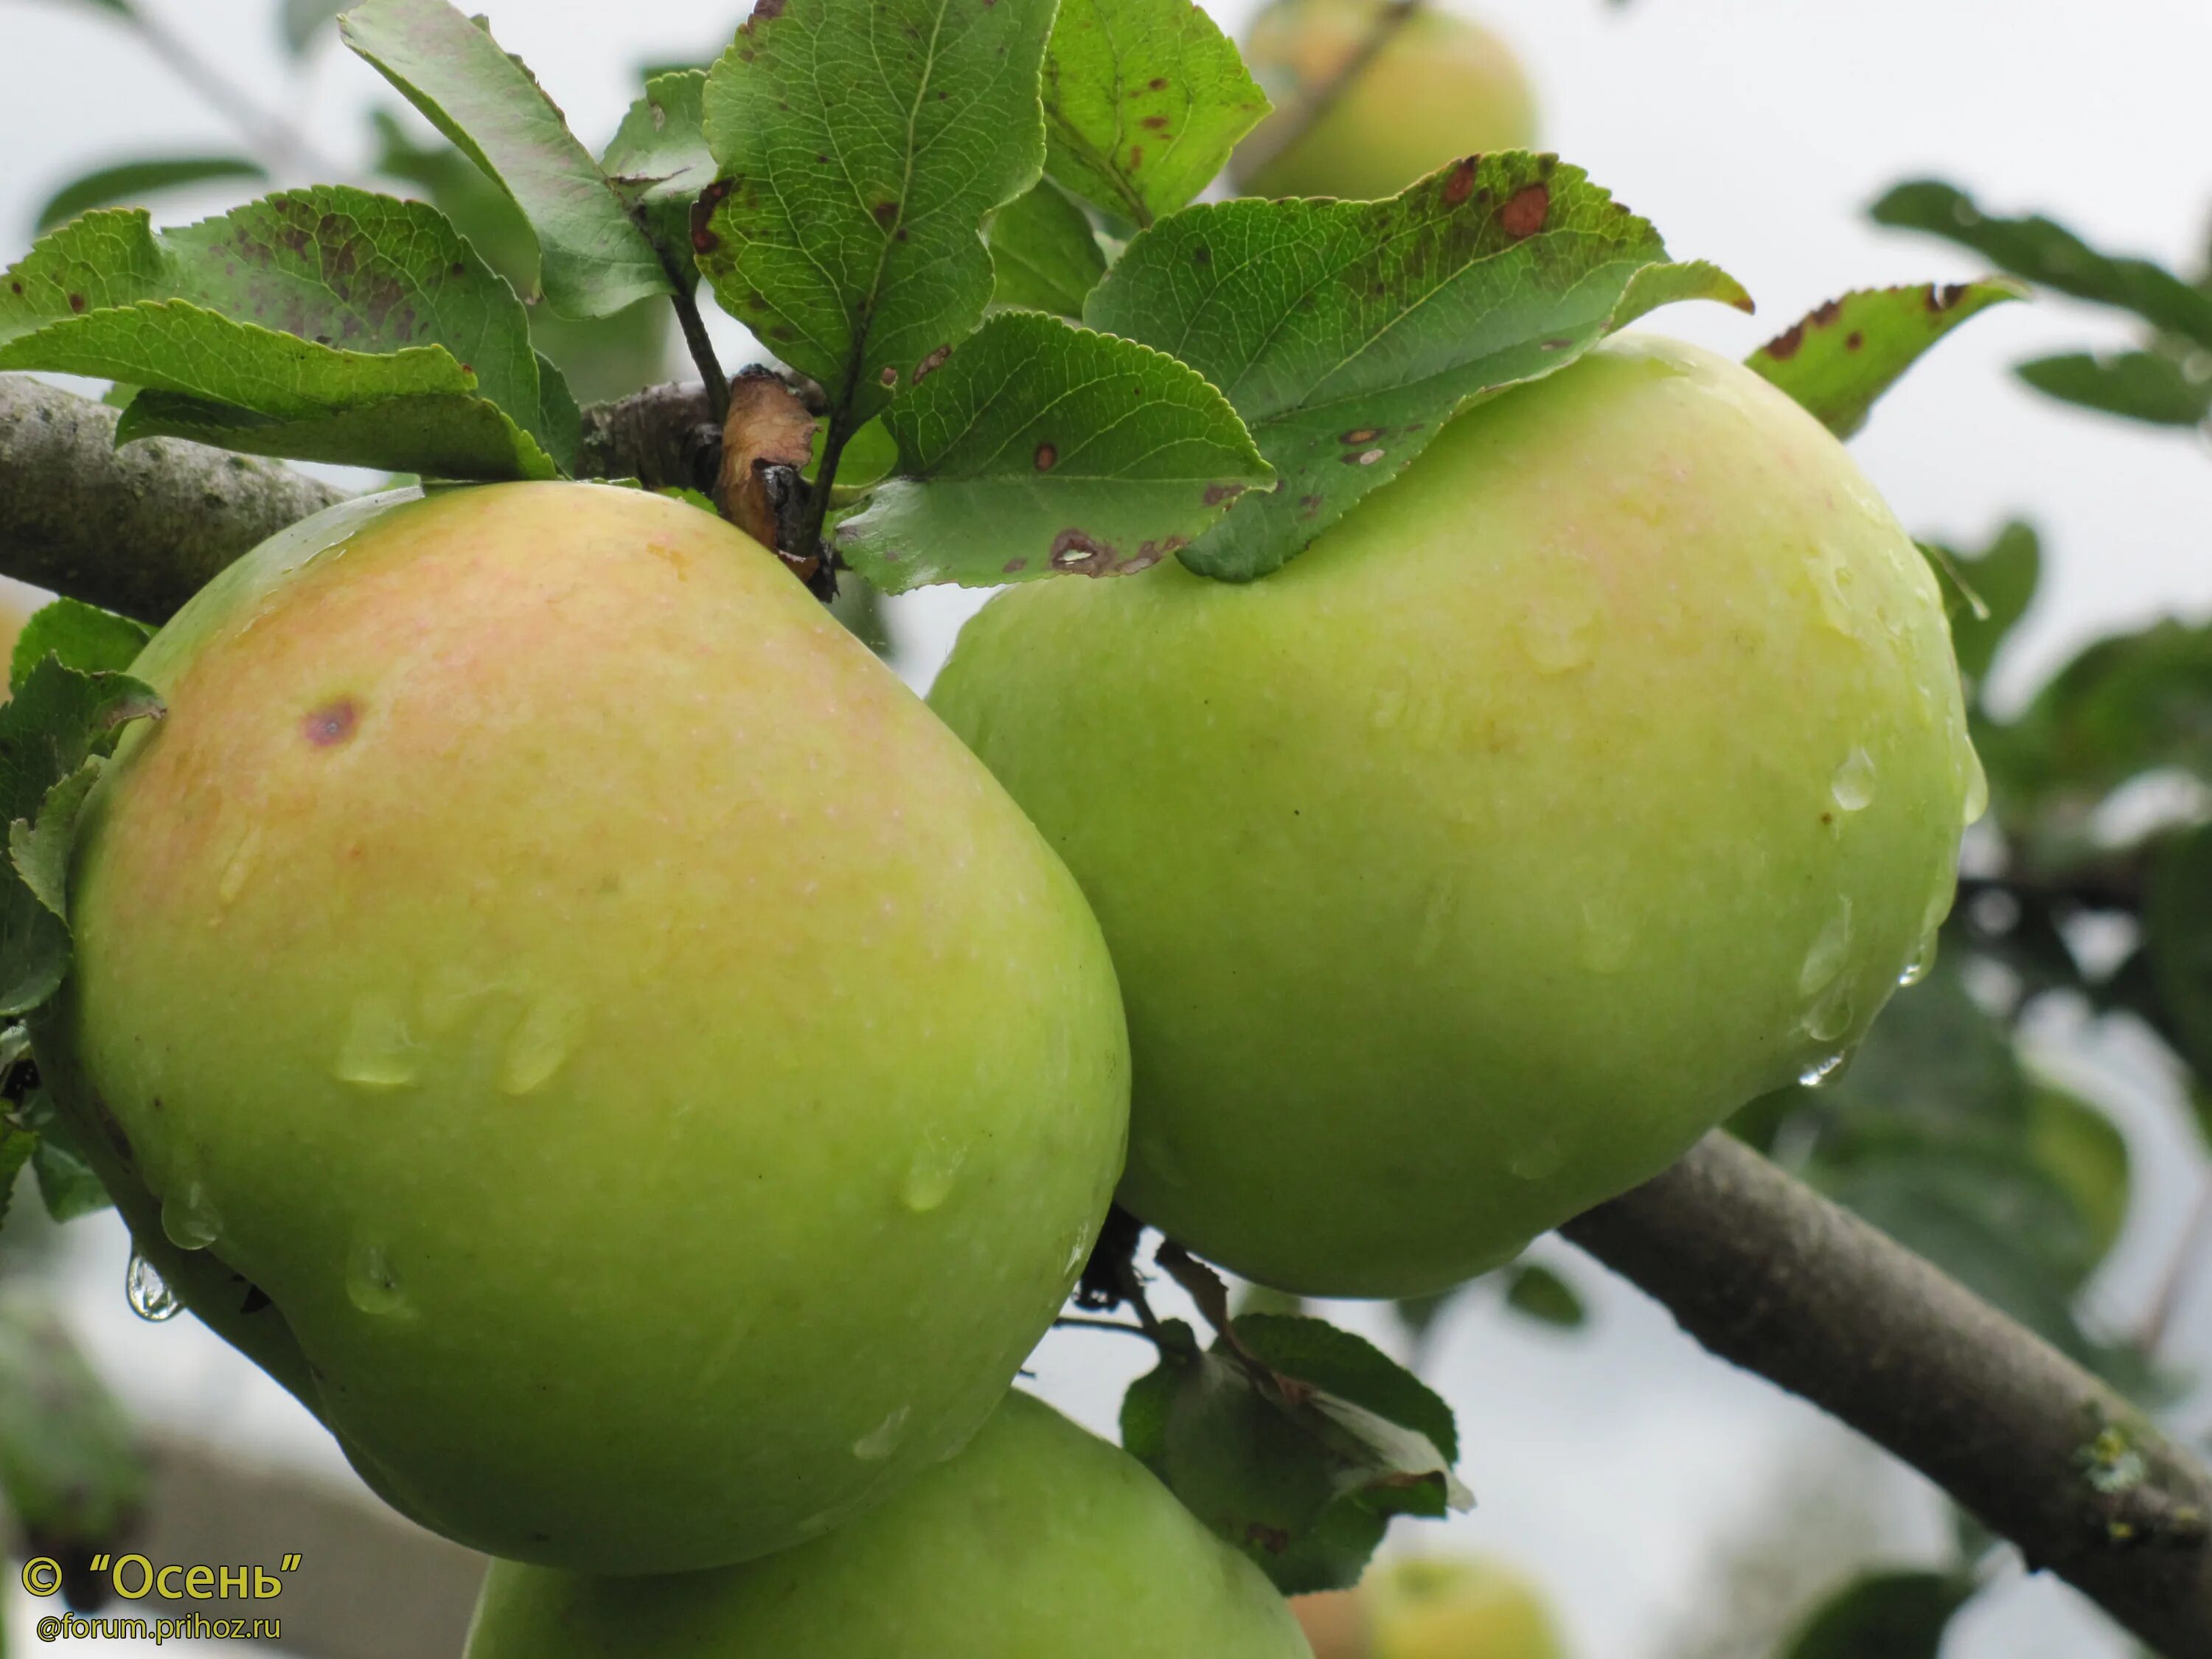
{"points": [[240, 867], [1824, 1069], [1831, 1017], [1608, 935], [189, 1216], [1559, 632], [148, 1292], [880, 1442], [1541, 1156], [371, 1283], [378, 1052], [1852, 787], [1978, 785], [1826, 959], [1922, 959], [541, 1044], [930, 1176]]}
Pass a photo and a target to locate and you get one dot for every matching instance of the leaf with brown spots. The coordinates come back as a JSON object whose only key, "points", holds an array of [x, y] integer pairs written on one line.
{"points": [[593, 257], [1837, 361], [1346, 333], [306, 302], [1143, 101], [865, 142], [658, 163], [1040, 448], [1296, 1442], [2045, 254]]}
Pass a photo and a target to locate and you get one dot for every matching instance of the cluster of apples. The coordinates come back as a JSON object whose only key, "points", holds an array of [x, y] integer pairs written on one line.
{"points": [[645, 1081]]}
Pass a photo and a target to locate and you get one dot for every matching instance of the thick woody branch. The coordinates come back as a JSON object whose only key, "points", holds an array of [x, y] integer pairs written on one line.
{"points": [[140, 529], [1768, 1275]]}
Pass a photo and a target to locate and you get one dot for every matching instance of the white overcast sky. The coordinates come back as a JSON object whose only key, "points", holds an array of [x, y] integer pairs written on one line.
{"points": [[1754, 132]]}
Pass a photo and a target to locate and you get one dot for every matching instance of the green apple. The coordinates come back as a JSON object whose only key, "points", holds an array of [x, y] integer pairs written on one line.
{"points": [[1600, 773], [1438, 88], [1038, 1541], [1441, 1608], [548, 992]]}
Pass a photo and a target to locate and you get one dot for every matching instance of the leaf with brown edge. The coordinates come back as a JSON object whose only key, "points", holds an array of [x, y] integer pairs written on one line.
{"points": [[1839, 359]]}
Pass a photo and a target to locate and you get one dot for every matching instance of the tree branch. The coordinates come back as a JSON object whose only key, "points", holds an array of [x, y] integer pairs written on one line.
{"points": [[140, 529], [1768, 1275]]}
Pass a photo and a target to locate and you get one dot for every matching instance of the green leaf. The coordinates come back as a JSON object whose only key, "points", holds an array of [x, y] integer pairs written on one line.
{"points": [[39, 848], [307, 303], [658, 162], [73, 1472], [865, 141], [2078, 1147], [57, 721], [2177, 919], [1346, 332], [2141, 386], [1143, 101], [302, 21], [2052, 256], [132, 181], [1883, 1615], [1296, 1442], [1076, 452], [2127, 705], [1544, 1296], [85, 638], [1044, 255], [1987, 593], [594, 259], [67, 1184], [17, 1146], [1839, 360]]}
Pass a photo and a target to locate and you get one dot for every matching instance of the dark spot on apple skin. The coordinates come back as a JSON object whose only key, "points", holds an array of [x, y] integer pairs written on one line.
{"points": [[1461, 184], [331, 724], [76, 302], [1526, 210], [1046, 458]]}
